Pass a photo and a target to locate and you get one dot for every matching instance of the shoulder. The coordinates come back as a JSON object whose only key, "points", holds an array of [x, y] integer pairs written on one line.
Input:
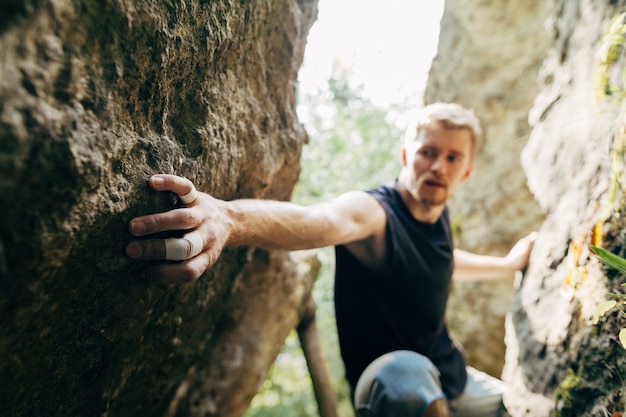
{"points": [[369, 216], [355, 215], [362, 200], [361, 206], [367, 197], [384, 192]]}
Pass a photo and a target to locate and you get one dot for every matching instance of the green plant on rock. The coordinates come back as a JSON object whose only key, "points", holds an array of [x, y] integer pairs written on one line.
{"points": [[619, 300], [566, 395], [610, 45]]}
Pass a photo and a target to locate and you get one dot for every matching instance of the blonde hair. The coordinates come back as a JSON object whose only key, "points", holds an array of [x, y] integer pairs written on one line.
{"points": [[450, 116]]}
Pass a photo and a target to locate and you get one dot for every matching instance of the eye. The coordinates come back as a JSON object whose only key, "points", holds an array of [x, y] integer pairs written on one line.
{"points": [[455, 159], [427, 152]]}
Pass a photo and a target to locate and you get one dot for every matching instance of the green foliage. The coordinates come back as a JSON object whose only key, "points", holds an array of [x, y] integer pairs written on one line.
{"points": [[618, 263], [354, 144], [612, 260], [568, 398], [611, 44], [287, 388]]}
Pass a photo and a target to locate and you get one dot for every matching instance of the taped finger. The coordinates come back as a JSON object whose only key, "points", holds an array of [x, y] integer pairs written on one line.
{"points": [[179, 249], [190, 197]]}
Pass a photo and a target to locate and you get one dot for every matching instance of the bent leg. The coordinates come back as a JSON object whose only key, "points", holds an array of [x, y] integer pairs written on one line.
{"points": [[400, 384]]}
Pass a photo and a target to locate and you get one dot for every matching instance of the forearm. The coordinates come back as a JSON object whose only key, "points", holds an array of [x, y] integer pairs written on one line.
{"points": [[277, 225], [351, 217], [473, 267], [469, 266]]}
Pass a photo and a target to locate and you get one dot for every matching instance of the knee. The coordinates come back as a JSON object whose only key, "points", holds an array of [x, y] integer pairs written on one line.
{"points": [[399, 384]]}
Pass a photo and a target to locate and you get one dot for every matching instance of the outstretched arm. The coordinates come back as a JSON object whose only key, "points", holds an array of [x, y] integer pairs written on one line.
{"points": [[471, 267], [212, 224]]}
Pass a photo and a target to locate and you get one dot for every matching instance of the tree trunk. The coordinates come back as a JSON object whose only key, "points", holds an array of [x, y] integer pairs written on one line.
{"points": [[310, 341]]}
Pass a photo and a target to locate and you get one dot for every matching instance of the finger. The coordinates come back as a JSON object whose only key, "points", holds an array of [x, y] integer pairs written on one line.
{"points": [[180, 249], [146, 249], [531, 237], [179, 273], [180, 219], [190, 197], [165, 287], [172, 249], [179, 185]]}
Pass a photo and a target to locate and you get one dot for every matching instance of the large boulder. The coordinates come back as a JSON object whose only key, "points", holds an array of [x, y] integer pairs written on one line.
{"points": [[549, 75], [558, 362], [94, 97]]}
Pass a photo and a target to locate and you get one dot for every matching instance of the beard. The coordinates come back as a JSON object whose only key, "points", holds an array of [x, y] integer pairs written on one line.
{"points": [[429, 192], [433, 199]]}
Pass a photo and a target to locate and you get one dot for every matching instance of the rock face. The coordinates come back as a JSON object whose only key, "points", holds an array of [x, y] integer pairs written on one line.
{"points": [[488, 58], [557, 362], [96, 96]]}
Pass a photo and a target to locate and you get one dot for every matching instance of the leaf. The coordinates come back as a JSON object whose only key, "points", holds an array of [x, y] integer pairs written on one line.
{"points": [[602, 309], [619, 296], [612, 260], [622, 338]]}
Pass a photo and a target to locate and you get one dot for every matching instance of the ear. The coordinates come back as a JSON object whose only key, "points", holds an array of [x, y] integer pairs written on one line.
{"points": [[403, 155], [467, 174]]}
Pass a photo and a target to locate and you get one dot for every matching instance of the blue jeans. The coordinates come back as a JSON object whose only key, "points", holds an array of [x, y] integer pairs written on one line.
{"points": [[405, 383]]}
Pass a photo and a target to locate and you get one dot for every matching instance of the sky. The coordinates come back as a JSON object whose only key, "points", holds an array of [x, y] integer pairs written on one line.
{"points": [[389, 46]]}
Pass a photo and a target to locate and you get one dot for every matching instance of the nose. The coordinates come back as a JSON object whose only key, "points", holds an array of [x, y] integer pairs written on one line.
{"points": [[438, 166]]}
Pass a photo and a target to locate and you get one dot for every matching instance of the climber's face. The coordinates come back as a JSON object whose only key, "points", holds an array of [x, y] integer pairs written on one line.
{"points": [[435, 163]]}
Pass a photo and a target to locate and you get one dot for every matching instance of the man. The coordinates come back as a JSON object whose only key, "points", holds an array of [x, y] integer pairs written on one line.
{"points": [[395, 263]]}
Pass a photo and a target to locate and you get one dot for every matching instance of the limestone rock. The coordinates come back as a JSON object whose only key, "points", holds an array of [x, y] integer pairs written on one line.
{"points": [[557, 361], [94, 97], [551, 340]]}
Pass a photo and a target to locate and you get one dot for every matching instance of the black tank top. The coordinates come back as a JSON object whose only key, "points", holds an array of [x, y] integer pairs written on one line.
{"points": [[402, 306]]}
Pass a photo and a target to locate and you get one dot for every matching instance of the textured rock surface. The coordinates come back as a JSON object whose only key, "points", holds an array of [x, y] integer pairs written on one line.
{"points": [[557, 362], [550, 334], [488, 59], [95, 97]]}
